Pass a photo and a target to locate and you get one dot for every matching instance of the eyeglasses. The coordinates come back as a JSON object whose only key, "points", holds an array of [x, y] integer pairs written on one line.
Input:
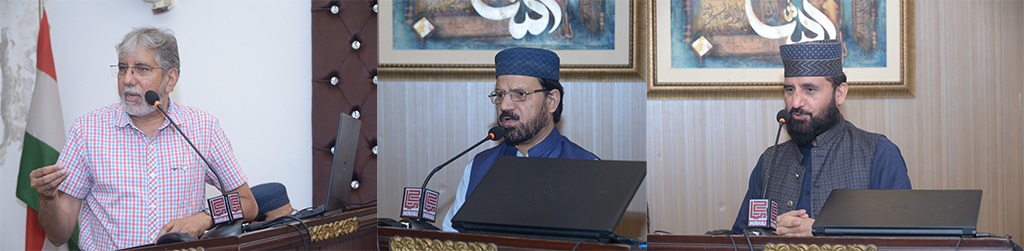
{"points": [[140, 71], [517, 95]]}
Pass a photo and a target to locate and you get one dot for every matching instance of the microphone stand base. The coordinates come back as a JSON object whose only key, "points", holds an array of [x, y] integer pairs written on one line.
{"points": [[419, 225], [228, 229]]}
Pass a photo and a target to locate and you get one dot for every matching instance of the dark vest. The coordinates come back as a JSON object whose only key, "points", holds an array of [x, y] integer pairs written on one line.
{"points": [[841, 160], [553, 146]]}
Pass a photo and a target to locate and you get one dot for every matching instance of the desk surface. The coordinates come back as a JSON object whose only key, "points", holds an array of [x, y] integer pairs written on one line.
{"points": [[397, 238], [353, 230]]}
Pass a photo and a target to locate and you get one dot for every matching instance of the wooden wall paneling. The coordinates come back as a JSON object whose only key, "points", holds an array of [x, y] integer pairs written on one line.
{"points": [[428, 123], [609, 119], [700, 155]]}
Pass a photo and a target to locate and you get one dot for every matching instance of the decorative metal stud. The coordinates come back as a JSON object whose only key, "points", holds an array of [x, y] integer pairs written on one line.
{"points": [[332, 150], [374, 8], [355, 184], [374, 79], [334, 9], [356, 44], [355, 114], [374, 150], [334, 80]]}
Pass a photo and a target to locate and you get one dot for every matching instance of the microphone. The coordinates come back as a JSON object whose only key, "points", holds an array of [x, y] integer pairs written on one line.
{"points": [[225, 208], [782, 117], [414, 209], [762, 212]]}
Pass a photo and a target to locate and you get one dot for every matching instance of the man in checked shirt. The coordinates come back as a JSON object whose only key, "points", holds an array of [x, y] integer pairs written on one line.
{"points": [[125, 172]]}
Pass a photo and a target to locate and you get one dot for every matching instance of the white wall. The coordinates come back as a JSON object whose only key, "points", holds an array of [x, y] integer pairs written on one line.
{"points": [[246, 62]]}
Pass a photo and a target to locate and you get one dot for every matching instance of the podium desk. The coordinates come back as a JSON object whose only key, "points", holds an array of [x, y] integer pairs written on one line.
{"points": [[352, 230], [722, 242], [390, 238]]}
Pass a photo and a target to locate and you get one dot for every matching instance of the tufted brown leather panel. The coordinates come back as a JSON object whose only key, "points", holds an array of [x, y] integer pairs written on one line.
{"points": [[355, 69]]}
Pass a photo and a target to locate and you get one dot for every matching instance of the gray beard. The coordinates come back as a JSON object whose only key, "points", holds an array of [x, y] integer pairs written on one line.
{"points": [[137, 108]]}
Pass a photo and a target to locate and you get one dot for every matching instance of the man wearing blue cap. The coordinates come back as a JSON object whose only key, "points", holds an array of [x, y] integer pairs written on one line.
{"points": [[825, 151], [528, 101]]}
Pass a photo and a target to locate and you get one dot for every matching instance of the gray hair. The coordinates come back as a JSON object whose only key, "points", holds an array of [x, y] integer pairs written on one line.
{"points": [[160, 40]]}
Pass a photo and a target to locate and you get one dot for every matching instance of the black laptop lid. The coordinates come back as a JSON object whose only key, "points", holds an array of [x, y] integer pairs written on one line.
{"points": [[918, 213], [551, 196], [345, 146]]}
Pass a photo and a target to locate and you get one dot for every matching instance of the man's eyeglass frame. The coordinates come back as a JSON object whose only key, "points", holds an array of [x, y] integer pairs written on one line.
{"points": [[497, 96]]}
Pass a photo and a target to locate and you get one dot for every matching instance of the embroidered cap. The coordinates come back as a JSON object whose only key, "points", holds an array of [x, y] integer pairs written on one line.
{"points": [[533, 62], [812, 59]]}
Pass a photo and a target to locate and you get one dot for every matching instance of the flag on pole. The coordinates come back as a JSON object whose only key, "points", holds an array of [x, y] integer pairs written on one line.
{"points": [[44, 138]]}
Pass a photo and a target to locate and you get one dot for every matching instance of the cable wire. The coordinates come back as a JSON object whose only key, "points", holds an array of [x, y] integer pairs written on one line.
{"points": [[746, 234], [306, 240], [577, 245]]}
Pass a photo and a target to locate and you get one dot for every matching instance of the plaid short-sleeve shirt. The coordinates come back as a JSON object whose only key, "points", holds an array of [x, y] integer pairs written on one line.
{"points": [[131, 185]]}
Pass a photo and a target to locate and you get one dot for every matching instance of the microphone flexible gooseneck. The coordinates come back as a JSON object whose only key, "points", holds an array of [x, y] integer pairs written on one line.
{"points": [[230, 228], [764, 228], [154, 99], [783, 116], [495, 133]]}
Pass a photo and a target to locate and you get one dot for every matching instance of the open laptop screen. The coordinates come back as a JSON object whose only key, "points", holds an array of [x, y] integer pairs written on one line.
{"points": [[910, 213], [344, 161]]}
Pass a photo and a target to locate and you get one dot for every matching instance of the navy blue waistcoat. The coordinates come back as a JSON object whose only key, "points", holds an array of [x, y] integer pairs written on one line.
{"points": [[553, 146]]}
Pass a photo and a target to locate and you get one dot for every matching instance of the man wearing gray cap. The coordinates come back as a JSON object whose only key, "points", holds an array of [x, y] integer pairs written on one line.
{"points": [[825, 151], [528, 101]]}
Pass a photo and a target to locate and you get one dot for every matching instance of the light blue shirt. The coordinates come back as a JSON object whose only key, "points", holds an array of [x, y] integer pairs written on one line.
{"points": [[460, 197]]}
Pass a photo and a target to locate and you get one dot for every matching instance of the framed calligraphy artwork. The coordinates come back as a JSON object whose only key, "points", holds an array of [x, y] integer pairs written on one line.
{"points": [[721, 49], [445, 40]]}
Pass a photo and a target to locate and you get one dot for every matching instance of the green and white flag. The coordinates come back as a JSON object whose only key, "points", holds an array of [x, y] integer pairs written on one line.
{"points": [[44, 139]]}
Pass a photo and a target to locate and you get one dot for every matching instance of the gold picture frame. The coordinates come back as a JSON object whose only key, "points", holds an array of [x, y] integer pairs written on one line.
{"points": [[630, 55], [665, 82]]}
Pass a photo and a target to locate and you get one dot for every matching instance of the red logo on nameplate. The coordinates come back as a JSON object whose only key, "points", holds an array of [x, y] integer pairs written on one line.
{"points": [[762, 213], [218, 209], [758, 216], [411, 204], [236, 206], [430, 207]]}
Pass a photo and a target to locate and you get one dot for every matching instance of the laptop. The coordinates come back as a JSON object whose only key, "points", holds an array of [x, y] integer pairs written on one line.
{"points": [[345, 148], [899, 213], [564, 199]]}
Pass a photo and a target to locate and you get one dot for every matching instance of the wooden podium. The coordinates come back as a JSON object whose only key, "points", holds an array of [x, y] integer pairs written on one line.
{"points": [[353, 230], [407, 239], [738, 242]]}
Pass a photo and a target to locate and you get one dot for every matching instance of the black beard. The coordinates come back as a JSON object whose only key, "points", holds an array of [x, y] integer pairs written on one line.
{"points": [[523, 131], [804, 132]]}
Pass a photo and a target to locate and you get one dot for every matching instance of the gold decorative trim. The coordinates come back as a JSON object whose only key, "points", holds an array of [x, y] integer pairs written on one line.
{"points": [[815, 247], [334, 229], [402, 243]]}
